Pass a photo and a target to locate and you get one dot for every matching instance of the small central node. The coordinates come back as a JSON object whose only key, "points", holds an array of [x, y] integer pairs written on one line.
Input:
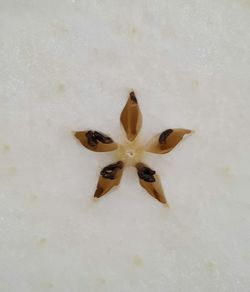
{"points": [[130, 153]]}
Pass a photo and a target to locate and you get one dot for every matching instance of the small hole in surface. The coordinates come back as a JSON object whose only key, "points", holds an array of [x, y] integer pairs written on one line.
{"points": [[130, 153]]}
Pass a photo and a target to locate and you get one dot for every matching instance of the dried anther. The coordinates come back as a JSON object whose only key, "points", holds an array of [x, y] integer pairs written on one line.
{"points": [[164, 135], [110, 171], [133, 97], [91, 138], [95, 137], [145, 173], [130, 153], [102, 138]]}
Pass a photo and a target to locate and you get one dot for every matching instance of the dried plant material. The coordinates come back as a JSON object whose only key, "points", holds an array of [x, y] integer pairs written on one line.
{"points": [[131, 117], [110, 176], [96, 141], [150, 182], [130, 153], [166, 141]]}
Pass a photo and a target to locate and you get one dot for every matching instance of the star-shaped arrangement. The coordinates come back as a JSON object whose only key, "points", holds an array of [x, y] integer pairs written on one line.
{"points": [[130, 152]]}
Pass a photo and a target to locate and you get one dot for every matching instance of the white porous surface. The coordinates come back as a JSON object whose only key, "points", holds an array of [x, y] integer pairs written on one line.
{"points": [[68, 65]]}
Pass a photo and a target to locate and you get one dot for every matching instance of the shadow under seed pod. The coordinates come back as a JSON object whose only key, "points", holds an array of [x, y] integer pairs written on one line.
{"points": [[164, 135], [109, 172], [102, 138], [91, 138], [145, 173]]}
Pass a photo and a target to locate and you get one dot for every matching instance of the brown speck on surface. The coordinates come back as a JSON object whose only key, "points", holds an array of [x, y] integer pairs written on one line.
{"points": [[12, 170], [60, 88], [225, 171], [42, 242], [137, 261], [50, 285], [195, 84], [6, 147], [32, 198], [210, 265], [58, 28], [132, 32], [100, 281]]}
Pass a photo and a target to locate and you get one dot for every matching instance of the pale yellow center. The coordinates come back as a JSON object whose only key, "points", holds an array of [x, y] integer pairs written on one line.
{"points": [[130, 153]]}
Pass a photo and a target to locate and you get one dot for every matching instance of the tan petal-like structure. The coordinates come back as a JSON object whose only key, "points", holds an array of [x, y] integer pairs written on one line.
{"points": [[110, 176], [150, 182], [96, 141], [131, 117], [166, 140]]}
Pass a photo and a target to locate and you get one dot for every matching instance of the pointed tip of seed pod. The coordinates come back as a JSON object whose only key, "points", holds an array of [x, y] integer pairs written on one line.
{"points": [[98, 193], [77, 134], [95, 199], [165, 205], [132, 96]]}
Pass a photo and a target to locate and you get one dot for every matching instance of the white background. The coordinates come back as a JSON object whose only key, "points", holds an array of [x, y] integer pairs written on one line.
{"points": [[69, 65]]}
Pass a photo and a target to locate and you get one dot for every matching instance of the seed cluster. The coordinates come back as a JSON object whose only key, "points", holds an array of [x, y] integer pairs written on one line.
{"points": [[130, 153], [164, 135], [109, 172], [95, 137], [145, 173]]}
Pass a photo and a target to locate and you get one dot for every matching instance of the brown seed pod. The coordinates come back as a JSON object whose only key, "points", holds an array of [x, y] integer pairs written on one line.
{"points": [[110, 176], [150, 182], [131, 117], [96, 141], [166, 140]]}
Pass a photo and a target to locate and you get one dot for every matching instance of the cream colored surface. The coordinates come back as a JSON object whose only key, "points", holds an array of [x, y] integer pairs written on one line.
{"points": [[69, 65]]}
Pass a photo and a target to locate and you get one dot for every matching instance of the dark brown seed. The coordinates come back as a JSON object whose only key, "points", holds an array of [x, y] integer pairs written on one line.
{"points": [[145, 173], [133, 97], [102, 138], [91, 138], [109, 172], [164, 135]]}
